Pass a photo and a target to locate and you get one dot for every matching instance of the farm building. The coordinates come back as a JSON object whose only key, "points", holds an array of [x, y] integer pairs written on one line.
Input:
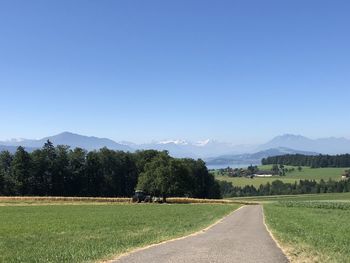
{"points": [[263, 174], [346, 175]]}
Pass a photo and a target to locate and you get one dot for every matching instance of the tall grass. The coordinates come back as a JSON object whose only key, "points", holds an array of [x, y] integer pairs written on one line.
{"points": [[66, 199], [170, 200], [184, 200]]}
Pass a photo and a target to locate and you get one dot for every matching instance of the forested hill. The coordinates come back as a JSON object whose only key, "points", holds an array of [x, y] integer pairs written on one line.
{"points": [[315, 161], [61, 171]]}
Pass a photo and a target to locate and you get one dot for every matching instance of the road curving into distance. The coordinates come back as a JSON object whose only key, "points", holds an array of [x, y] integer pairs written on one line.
{"points": [[240, 237]]}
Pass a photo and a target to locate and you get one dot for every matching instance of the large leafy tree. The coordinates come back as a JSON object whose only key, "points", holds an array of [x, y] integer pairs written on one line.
{"points": [[201, 183], [141, 158], [164, 176]]}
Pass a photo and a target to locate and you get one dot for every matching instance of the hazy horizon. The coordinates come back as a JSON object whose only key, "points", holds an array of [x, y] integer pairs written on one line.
{"points": [[168, 140], [234, 71]]}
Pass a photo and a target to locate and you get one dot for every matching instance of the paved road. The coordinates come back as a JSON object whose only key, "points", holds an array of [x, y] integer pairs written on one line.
{"points": [[240, 237]]}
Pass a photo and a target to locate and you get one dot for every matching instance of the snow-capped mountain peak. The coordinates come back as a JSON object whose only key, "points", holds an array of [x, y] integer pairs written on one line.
{"points": [[14, 140], [177, 142], [202, 143]]}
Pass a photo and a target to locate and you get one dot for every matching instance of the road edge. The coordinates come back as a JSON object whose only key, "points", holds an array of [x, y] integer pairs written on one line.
{"points": [[170, 240], [284, 251]]}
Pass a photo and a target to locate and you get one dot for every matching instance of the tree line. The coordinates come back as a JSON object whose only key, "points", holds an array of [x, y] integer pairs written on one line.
{"points": [[251, 171], [61, 171], [278, 187], [314, 161], [238, 172]]}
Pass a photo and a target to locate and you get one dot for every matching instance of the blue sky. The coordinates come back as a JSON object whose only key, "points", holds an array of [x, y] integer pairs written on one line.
{"points": [[237, 71]]}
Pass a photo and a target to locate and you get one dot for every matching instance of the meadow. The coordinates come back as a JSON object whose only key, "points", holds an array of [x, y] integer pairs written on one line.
{"points": [[311, 173], [86, 232], [311, 231], [306, 173], [330, 197]]}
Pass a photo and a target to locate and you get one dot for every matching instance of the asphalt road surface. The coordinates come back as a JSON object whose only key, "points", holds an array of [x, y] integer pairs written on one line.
{"points": [[240, 237]]}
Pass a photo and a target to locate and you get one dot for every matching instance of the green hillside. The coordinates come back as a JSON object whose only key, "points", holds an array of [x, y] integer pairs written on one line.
{"points": [[306, 173]]}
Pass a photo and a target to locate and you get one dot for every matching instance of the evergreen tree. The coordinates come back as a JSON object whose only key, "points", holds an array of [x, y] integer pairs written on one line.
{"points": [[6, 182], [77, 181], [20, 169]]}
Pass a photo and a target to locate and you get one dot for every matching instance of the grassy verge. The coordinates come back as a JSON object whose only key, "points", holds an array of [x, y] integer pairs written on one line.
{"points": [[89, 232], [311, 231]]}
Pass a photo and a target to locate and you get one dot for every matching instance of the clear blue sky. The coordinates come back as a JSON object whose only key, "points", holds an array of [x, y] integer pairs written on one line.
{"points": [[239, 71]]}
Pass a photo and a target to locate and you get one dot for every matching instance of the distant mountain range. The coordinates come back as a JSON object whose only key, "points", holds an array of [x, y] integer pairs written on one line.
{"points": [[212, 151], [71, 139], [201, 149], [177, 148], [329, 145], [12, 149]]}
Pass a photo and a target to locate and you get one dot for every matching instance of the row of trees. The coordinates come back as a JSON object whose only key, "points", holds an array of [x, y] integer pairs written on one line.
{"points": [[278, 187], [238, 172], [61, 171], [281, 170], [315, 161]]}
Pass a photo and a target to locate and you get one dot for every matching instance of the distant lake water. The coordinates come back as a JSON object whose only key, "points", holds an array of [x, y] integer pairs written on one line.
{"points": [[221, 166]]}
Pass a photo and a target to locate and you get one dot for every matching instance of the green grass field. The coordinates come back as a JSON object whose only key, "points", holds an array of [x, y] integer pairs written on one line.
{"points": [[89, 232], [331, 197], [311, 173], [311, 231], [306, 173]]}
